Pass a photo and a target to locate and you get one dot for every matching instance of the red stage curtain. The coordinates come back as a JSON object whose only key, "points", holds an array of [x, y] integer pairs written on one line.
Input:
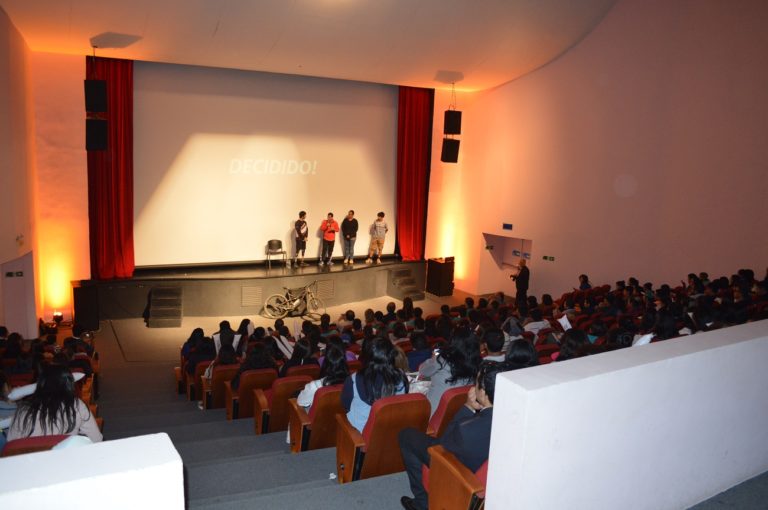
{"points": [[110, 175], [414, 155]]}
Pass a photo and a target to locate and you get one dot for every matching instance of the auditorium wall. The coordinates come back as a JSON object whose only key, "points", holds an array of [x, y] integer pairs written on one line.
{"points": [[639, 152], [17, 225], [62, 177]]}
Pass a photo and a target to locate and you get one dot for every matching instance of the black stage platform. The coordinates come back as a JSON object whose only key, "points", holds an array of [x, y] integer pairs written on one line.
{"points": [[232, 290]]}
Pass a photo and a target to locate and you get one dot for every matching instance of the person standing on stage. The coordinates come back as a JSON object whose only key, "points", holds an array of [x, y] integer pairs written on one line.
{"points": [[379, 231], [521, 284], [329, 228], [302, 232], [349, 234]]}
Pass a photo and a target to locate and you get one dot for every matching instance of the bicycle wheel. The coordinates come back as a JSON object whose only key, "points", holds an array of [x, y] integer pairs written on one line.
{"points": [[315, 305], [276, 306]]}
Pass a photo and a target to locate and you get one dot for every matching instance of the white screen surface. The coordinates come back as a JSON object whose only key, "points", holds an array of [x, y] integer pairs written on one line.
{"points": [[224, 160]]}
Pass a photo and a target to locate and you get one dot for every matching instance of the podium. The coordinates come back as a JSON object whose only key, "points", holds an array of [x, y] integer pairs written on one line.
{"points": [[440, 276]]}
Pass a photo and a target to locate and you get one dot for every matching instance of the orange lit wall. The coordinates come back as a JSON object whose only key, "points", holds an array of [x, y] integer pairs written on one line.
{"points": [[61, 185], [17, 227], [640, 152]]}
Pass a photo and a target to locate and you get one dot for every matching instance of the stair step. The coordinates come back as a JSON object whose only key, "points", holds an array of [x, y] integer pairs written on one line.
{"points": [[405, 281], [380, 493], [209, 450], [160, 312], [161, 422], [191, 431], [165, 301], [166, 292], [228, 477], [164, 323], [400, 273]]}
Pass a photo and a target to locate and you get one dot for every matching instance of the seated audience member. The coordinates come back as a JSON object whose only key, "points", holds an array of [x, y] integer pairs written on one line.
{"points": [[326, 328], [345, 320], [596, 330], [468, 436], [13, 346], [357, 328], [421, 351], [547, 305], [521, 354], [408, 309], [205, 351], [225, 335], [54, 409], [244, 330], [455, 365], [419, 324], [399, 334], [536, 322], [378, 320], [256, 337], [191, 343], [390, 315], [302, 355], [259, 357], [377, 379], [399, 319], [572, 344], [336, 341], [493, 339], [279, 344], [3, 336], [584, 283], [77, 341], [227, 356], [334, 371]]}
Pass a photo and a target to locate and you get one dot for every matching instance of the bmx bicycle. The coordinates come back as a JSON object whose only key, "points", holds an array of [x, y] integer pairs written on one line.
{"points": [[296, 302]]}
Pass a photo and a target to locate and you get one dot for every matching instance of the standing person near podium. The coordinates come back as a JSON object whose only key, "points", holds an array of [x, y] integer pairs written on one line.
{"points": [[521, 284], [349, 234], [302, 232], [329, 228], [379, 231]]}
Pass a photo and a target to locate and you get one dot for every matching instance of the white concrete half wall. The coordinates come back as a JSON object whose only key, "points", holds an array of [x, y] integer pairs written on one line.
{"points": [[663, 426], [135, 473]]}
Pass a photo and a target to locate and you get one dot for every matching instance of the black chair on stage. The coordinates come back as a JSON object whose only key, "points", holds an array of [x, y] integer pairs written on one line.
{"points": [[275, 247]]}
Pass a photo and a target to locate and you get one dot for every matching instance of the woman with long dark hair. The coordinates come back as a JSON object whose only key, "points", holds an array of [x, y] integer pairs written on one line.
{"points": [[192, 342], [302, 355], [455, 365], [334, 371], [259, 357], [377, 379], [54, 409]]}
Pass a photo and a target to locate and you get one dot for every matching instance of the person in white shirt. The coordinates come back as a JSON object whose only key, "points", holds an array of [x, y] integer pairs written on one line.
{"points": [[493, 339], [334, 371]]}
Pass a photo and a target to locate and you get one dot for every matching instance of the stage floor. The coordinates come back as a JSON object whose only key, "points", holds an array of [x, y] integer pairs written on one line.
{"points": [[255, 270]]}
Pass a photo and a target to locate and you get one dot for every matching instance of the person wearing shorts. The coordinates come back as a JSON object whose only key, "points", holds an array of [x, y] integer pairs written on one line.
{"points": [[379, 231], [302, 232]]}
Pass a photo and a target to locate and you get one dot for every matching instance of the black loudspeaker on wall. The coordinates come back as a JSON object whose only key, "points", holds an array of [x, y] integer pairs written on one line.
{"points": [[95, 134], [452, 122], [450, 152], [96, 96]]}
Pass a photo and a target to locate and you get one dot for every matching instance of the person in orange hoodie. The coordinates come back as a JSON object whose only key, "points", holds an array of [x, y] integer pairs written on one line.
{"points": [[329, 228]]}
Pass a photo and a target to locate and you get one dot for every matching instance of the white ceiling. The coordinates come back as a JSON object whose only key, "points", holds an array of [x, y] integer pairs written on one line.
{"points": [[425, 43]]}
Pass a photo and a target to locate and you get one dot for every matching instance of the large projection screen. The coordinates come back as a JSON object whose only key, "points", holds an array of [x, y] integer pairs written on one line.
{"points": [[224, 160]]}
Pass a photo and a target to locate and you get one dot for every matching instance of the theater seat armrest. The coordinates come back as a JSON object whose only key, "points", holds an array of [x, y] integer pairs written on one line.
{"points": [[299, 425], [350, 448], [260, 412]]}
